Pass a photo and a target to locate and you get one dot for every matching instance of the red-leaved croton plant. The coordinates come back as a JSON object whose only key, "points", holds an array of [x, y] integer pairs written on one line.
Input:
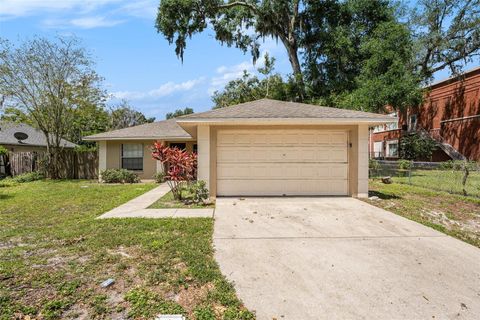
{"points": [[180, 166]]}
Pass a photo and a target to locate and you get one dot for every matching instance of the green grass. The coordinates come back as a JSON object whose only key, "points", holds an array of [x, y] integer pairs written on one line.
{"points": [[54, 255], [443, 180], [168, 202], [452, 214]]}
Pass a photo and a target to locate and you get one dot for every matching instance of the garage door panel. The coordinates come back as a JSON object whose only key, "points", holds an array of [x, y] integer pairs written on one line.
{"points": [[274, 188], [278, 162], [282, 154], [281, 171]]}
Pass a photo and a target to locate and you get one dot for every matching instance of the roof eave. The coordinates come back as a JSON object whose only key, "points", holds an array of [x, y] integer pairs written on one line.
{"points": [[100, 138], [290, 121]]}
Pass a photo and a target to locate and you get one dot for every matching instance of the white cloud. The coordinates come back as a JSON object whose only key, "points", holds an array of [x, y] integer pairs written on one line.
{"points": [[79, 13], [226, 74], [165, 89], [18, 8], [94, 22], [146, 9]]}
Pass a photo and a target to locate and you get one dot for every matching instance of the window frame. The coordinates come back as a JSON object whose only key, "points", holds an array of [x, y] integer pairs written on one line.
{"points": [[387, 151], [122, 157]]}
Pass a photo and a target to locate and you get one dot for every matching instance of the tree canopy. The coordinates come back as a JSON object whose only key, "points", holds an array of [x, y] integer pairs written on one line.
{"points": [[124, 116], [178, 113], [360, 54]]}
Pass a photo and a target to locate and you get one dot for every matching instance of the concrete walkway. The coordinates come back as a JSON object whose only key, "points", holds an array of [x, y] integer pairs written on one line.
{"points": [[137, 208], [341, 258]]}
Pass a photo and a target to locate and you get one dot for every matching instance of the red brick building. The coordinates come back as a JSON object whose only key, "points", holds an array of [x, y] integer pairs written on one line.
{"points": [[450, 114]]}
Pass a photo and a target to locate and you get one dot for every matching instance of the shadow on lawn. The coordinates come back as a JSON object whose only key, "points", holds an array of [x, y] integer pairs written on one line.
{"points": [[5, 196], [383, 196]]}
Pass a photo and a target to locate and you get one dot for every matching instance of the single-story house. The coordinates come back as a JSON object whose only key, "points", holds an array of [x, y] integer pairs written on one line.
{"points": [[259, 148], [20, 137]]}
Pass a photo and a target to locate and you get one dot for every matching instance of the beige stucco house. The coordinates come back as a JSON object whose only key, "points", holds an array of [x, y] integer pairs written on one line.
{"points": [[260, 148]]}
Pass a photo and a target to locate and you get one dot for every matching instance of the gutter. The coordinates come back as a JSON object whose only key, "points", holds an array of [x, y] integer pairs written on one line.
{"points": [[137, 138]]}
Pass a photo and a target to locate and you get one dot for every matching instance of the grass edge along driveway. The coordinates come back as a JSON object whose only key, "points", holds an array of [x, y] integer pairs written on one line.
{"points": [[54, 255], [452, 214]]}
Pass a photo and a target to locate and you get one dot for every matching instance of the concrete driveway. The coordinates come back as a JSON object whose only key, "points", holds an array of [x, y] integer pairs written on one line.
{"points": [[340, 258]]}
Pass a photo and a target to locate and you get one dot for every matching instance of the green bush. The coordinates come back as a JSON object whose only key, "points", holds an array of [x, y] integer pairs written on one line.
{"points": [[417, 147], [29, 177], [119, 176], [198, 191], [405, 164], [3, 151], [159, 177]]}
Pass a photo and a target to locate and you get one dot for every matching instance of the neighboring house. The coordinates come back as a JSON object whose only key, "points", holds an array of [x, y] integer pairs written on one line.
{"points": [[450, 114], [17, 137], [260, 148]]}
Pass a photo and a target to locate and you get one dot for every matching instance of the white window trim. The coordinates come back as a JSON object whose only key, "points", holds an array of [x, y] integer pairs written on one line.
{"points": [[385, 127], [387, 148]]}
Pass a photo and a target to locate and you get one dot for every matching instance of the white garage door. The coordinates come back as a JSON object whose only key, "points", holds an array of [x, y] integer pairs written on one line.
{"points": [[282, 162]]}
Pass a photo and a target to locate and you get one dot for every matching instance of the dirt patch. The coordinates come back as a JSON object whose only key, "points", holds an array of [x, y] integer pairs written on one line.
{"points": [[192, 296]]}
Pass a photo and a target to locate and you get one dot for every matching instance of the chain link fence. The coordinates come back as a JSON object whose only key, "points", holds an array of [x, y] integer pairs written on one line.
{"points": [[457, 177]]}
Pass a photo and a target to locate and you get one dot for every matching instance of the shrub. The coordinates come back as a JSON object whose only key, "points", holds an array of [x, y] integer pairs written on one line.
{"points": [[119, 176], [28, 177], [159, 177], [199, 191], [3, 151], [405, 164], [416, 147]]}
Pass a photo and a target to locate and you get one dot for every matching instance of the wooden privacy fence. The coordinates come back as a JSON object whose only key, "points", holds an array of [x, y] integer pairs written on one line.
{"points": [[73, 165]]}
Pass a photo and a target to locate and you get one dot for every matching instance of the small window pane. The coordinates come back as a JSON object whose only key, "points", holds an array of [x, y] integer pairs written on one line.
{"points": [[132, 163], [132, 150]]}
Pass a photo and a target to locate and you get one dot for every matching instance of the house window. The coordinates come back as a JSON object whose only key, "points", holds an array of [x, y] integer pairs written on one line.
{"points": [[378, 149], [412, 122], [181, 146], [389, 126], [132, 156], [392, 148], [393, 125]]}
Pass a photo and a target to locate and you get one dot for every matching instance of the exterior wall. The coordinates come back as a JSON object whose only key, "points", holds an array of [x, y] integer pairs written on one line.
{"points": [[204, 164], [362, 160], [357, 155], [110, 156], [450, 113]]}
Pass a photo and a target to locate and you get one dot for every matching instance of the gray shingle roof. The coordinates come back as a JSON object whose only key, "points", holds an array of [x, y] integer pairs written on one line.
{"points": [[35, 136], [166, 129], [274, 109]]}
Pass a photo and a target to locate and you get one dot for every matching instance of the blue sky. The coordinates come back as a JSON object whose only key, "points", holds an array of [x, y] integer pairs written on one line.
{"points": [[137, 63]]}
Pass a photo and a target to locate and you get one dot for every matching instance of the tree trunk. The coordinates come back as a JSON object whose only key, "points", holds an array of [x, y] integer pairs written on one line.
{"points": [[292, 52]]}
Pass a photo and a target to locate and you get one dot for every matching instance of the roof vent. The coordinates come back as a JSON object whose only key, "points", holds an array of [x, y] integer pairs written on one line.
{"points": [[20, 136]]}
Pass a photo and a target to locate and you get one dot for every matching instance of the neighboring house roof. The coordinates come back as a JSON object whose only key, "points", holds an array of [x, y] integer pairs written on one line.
{"points": [[163, 130], [35, 137], [265, 109]]}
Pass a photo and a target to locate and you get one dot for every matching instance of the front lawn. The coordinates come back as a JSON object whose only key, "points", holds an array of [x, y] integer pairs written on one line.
{"points": [[54, 255], [168, 202], [452, 214]]}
